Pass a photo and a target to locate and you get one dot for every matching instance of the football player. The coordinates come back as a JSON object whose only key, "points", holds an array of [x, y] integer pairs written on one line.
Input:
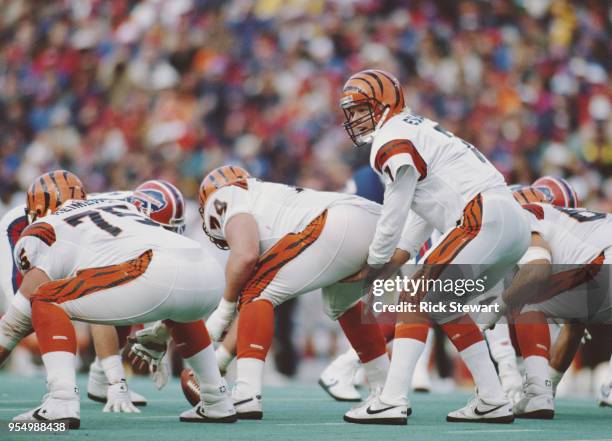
{"points": [[444, 183], [560, 236], [162, 202], [338, 378], [102, 261], [285, 241]]}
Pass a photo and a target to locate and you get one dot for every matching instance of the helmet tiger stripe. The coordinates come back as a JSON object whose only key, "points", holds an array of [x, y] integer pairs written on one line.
{"points": [[528, 195], [380, 91], [50, 190]]}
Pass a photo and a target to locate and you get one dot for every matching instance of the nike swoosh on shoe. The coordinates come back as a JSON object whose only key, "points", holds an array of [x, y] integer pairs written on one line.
{"points": [[371, 411], [481, 413]]}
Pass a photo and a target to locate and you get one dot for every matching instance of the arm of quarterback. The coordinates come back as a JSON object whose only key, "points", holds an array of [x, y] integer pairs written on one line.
{"points": [[398, 199], [415, 233]]}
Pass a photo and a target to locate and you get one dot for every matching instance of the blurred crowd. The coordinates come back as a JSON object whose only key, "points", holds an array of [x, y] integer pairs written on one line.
{"points": [[124, 90]]}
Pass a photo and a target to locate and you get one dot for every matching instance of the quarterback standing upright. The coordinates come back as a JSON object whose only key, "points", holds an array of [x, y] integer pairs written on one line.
{"points": [[433, 179]]}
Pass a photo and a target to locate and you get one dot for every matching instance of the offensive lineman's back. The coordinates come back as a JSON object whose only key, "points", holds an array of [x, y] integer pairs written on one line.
{"points": [[94, 233]]}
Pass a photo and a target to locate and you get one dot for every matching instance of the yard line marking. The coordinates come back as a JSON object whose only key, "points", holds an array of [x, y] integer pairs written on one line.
{"points": [[310, 424], [154, 417], [493, 431]]}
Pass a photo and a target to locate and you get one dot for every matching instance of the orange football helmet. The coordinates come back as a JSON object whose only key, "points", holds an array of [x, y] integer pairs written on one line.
{"points": [[216, 179], [50, 191], [528, 195], [383, 95]]}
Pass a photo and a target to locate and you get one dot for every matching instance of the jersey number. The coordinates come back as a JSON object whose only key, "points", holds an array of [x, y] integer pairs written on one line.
{"points": [[100, 222], [473, 149], [220, 208], [581, 215]]}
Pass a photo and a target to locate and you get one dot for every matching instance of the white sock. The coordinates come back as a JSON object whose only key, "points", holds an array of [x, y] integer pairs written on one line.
{"points": [[537, 366], [96, 364], [204, 365], [249, 376], [350, 355], [61, 373], [610, 372], [406, 352], [376, 371], [113, 369], [555, 377], [476, 357], [422, 365], [499, 342], [224, 358]]}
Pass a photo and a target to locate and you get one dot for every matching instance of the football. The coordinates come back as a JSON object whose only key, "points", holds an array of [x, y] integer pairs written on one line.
{"points": [[191, 387]]}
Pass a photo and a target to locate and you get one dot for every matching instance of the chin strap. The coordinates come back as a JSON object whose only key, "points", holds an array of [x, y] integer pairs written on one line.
{"points": [[382, 120]]}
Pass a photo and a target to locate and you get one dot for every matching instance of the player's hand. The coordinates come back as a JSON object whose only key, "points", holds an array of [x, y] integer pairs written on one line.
{"points": [[147, 350], [220, 319], [367, 274], [118, 399]]}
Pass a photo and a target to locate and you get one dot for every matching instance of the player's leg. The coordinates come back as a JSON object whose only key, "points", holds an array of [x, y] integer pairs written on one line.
{"points": [[366, 338], [342, 374], [421, 381], [226, 351], [57, 341], [502, 351], [195, 346], [605, 392], [493, 235], [533, 336], [563, 351]]}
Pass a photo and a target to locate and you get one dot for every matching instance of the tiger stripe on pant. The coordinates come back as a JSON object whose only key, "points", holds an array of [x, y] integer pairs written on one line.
{"points": [[90, 280], [285, 250], [469, 228]]}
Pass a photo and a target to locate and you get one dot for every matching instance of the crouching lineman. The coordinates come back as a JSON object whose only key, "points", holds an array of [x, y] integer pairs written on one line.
{"points": [[450, 186], [159, 200], [286, 241], [582, 295], [103, 261]]}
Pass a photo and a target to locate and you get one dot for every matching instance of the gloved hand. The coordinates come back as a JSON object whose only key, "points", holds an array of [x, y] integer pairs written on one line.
{"points": [[118, 399], [220, 319], [148, 347]]}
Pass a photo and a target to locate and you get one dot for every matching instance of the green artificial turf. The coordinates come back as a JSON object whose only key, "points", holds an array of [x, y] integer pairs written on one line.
{"points": [[300, 413]]}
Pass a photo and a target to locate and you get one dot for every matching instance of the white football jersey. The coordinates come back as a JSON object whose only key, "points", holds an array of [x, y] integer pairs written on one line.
{"points": [[94, 233], [11, 226], [575, 235], [450, 170], [278, 209]]}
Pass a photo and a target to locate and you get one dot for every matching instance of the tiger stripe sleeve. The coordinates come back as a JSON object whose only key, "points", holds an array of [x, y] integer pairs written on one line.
{"points": [[396, 205]]}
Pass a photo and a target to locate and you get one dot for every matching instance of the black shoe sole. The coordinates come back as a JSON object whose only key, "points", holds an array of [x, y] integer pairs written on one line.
{"points": [[227, 419], [73, 423], [345, 400], [255, 415], [379, 421], [544, 414], [421, 390], [103, 400], [499, 420]]}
